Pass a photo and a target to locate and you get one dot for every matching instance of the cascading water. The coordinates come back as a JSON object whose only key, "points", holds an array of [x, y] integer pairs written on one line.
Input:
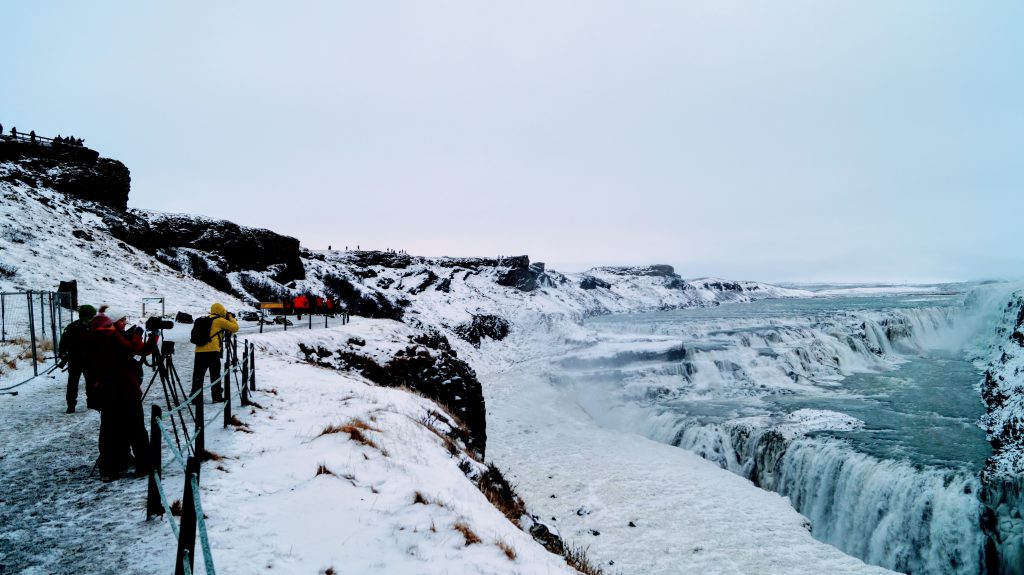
{"points": [[862, 411], [889, 513]]}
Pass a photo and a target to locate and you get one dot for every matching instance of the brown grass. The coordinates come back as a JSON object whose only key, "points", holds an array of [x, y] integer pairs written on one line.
{"points": [[467, 533], [176, 508], [46, 345], [501, 494], [576, 557], [354, 429], [208, 455], [507, 549], [323, 470], [329, 571]]}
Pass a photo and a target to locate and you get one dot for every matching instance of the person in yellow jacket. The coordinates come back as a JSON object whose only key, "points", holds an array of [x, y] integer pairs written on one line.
{"points": [[208, 355]]}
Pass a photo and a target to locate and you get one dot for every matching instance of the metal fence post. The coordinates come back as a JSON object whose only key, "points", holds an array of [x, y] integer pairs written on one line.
{"points": [[3, 317], [32, 332], [187, 533], [53, 328], [310, 321], [153, 504]]}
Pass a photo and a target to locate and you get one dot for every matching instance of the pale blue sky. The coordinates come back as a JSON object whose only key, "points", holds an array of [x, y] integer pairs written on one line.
{"points": [[784, 140]]}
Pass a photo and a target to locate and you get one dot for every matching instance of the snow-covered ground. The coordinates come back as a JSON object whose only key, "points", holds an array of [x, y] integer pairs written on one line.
{"points": [[268, 509]]}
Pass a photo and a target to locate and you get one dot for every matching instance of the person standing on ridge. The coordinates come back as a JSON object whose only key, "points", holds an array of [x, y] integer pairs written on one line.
{"points": [[72, 354], [208, 353]]}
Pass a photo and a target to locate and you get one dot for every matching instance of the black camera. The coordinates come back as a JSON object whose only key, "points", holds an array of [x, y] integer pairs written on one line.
{"points": [[157, 323]]}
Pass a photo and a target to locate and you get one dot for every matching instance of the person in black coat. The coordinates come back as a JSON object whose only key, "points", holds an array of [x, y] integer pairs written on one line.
{"points": [[72, 354]]}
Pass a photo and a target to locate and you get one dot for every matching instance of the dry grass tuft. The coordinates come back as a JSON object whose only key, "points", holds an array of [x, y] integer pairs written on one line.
{"points": [[46, 345], [576, 557], [467, 533], [354, 429], [507, 549], [501, 494], [176, 508], [208, 455], [329, 571], [323, 470], [419, 498]]}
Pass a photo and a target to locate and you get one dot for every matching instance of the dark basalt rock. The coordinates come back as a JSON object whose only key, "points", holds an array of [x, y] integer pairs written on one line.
{"points": [[434, 372], [481, 326], [238, 248], [590, 282], [359, 302], [652, 270], [521, 275], [72, 170]]}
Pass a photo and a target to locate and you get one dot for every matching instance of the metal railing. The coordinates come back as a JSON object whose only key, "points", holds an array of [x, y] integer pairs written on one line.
{"points": [[33, 321]]}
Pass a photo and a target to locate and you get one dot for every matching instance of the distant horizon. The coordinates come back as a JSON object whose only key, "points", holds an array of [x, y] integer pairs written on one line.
{"points": [[784, 141]]}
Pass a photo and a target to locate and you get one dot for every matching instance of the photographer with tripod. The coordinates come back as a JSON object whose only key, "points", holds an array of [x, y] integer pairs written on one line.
{"points": [[208, 353], [111, 351]]}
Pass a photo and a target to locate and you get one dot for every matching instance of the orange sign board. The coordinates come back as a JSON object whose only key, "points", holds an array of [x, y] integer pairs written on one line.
{"points": [[271, 305]]}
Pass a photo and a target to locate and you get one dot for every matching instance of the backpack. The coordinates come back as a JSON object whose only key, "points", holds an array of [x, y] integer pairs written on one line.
{"points": [[201, 330], [71, 340]]}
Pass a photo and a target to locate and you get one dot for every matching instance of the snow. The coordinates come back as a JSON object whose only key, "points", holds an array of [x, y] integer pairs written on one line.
{"points": [[269, 510]]}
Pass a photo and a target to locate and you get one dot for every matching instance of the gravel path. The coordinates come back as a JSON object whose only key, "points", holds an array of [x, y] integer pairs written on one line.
{"points": [[56, 516]]}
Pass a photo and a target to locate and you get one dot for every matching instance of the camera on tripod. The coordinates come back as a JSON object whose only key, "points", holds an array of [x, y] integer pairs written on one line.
{"points": [[158, 323]]}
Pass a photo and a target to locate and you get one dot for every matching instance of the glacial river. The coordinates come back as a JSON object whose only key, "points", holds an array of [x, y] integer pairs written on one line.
{"points": [[862, 410]]}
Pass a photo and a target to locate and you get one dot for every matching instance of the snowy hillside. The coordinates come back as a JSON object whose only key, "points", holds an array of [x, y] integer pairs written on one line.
{"points": [[404, 493]]}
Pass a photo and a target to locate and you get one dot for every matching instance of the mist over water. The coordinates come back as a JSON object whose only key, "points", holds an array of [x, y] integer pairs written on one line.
{"points": [[862, 409]]}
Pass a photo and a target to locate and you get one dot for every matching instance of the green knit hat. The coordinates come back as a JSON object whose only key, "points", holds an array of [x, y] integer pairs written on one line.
{"points": [[86, 312]]}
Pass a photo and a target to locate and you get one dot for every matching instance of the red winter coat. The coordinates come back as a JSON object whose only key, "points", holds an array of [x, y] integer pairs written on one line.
{"points": [[117, 375], [300, 302]]}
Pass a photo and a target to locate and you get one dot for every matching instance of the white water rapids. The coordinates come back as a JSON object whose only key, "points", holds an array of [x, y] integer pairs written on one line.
{"points": [[862, 410]]}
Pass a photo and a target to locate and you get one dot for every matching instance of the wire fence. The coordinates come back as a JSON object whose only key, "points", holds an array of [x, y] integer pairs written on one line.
{"points": [[189, 452], [30, 325]]}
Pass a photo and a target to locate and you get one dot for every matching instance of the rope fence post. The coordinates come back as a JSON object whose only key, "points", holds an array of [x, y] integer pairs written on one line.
{"points": [[200, 445], [252, 368], [153, 504], [227, 388], [32, 332], [245, 373], [187, 536]]}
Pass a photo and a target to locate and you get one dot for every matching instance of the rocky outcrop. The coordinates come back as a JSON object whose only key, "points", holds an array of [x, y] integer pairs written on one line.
{"points": [[483, 326], [427, 365], [521, 274], [652, 270], [234, 247], [72, 170]]}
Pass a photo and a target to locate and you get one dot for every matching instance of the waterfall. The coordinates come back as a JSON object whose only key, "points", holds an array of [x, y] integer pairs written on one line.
{"points": [[888, 513], [904, 516]]}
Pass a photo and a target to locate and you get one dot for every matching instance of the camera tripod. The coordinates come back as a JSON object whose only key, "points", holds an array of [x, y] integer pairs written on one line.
{"points": [[174, 392]]}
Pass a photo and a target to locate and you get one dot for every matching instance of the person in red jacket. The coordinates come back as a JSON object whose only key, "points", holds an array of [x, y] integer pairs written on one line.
{"points": [[301, 305], [118, 381]]}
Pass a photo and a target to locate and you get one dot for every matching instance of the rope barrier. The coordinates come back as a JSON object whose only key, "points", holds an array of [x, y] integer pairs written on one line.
{"points": [[167, 440], [167, 506], [188, 400], [188, 527], [204, 540], [29, 379]]}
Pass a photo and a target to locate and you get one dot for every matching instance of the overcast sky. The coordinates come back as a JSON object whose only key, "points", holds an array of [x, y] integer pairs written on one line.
{"points": [[771, 140]]}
